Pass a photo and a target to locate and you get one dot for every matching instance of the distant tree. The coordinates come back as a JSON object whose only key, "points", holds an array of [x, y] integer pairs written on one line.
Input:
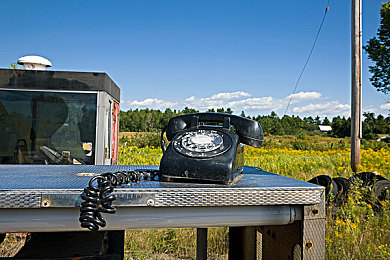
{"points": [[373, 126], [309, 125], [369, 126], [382, 125], [229, 110], [150, 120], [341, 127], [274, 115], [271, 124], [326, 121], [188, 110], [168, 114], [124, 122], [378, 50], [308, 120], [317, 120], [221, 110]]}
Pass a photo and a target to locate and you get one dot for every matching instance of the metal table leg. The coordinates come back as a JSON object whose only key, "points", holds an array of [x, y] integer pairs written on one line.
{"points": [[314, 231], [201, 243], [303, 239], [242, 243]]}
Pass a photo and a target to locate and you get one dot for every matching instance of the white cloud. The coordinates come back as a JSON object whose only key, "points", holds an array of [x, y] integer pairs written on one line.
{"points": [[262, 103], [266, 104], [203, 103], [385, 106], [150, 103], [329, 109], [306, 103], [190, 99], [302, 96], [382, 109], [229, 95], [216, 100], [237, 101], [271, 104], [371, 109]]}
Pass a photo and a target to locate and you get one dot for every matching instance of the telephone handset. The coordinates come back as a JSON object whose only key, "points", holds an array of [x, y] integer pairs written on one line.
{"points": [[207, 153]]}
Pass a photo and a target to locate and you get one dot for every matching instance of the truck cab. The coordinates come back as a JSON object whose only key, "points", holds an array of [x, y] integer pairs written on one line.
{"points": [[58, 117]]}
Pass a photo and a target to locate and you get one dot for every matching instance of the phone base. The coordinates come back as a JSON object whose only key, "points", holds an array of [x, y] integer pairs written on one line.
{"points": [[203, 155], [166, 178]]}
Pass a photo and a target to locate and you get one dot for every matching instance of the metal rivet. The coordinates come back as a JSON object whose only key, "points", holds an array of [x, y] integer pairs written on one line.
{"points": [[308, 245], [46, 203]]}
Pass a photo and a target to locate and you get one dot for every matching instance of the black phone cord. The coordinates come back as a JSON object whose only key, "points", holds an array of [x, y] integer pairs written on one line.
{"points": [[98, 197]]}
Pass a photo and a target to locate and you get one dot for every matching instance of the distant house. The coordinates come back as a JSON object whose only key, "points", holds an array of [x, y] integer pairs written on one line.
{"points": [[325, 128]]}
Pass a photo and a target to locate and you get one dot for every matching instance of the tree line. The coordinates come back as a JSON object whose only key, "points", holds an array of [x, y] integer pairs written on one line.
{"points": [[150, 120]]}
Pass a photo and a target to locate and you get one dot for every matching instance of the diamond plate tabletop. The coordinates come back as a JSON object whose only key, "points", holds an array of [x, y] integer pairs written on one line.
{"points": [[35, 186]]}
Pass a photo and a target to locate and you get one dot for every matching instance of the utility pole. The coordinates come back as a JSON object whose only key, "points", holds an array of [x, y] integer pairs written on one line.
{"points": [[356, 93]]}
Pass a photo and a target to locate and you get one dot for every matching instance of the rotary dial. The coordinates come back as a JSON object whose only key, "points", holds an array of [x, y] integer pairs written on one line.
{"points": [[202, 141]]}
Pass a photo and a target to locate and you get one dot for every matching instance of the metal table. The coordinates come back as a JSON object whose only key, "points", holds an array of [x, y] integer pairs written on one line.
{"points": [[270, 216]]}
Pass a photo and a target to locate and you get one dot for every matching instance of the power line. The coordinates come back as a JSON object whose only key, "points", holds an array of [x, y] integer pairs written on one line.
{"points": [[308, 57]]}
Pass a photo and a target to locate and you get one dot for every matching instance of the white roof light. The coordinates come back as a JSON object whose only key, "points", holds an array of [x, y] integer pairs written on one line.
{"points": [[34, 62]]}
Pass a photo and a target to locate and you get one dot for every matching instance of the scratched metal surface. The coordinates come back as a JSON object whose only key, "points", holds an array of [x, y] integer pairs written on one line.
{"points": [[61, 186]]}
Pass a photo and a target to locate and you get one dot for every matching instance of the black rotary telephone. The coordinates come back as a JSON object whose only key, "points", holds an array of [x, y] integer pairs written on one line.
{"points": [[207, 153], [196, 153]]}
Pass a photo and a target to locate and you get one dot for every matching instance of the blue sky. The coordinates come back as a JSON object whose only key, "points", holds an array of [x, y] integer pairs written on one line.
{"points": [[244, 54]]}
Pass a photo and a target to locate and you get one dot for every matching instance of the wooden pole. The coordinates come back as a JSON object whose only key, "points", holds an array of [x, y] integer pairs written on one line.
{"points": [[356, 42]]}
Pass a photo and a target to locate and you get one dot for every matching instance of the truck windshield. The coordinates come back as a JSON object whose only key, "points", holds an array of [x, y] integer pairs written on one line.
{"points": [[38, 127]]}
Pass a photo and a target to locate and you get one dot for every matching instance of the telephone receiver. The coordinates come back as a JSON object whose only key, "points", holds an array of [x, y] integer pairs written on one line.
{"points": [[199, 152]]}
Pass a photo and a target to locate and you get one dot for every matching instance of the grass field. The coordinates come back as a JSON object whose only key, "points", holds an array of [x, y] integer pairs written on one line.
{"points": [[359, 229]]}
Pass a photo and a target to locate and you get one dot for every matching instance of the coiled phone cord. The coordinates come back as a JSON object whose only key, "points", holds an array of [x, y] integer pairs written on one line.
{"points": [[98, 198]]}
